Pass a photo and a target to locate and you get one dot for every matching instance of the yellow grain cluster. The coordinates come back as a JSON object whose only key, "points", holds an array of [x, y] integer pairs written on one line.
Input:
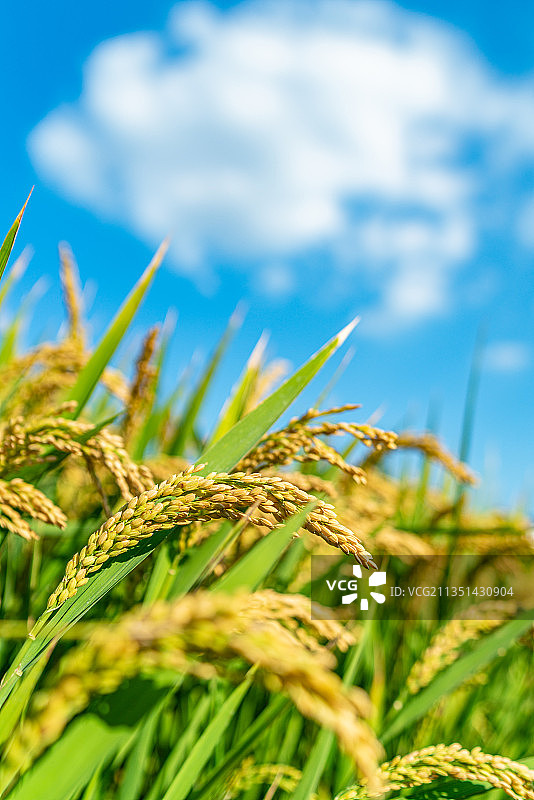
{"points": [[70, 282], [431, 447], [17, 498], [203, 634], [299, 441], [439, 761], [186, 498], [35, 381], [277, 776], [32, 440], [447, 643]]}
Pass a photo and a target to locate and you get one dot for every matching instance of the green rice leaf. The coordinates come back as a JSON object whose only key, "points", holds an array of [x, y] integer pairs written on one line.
{"points": [[192, 767], [136, 765], [221, 457], [227, 451], [91, 373], [69, 765], [185, 426], [90, 742], [199, 559], [233, 410], [244, 744], [13, 710], [9, 241], [445, 682], [182, 747], [252, 569]]}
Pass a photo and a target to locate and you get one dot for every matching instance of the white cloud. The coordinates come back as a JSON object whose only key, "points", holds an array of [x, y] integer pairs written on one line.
{"points": [[275, 280], [507, 356], [281, 129]]}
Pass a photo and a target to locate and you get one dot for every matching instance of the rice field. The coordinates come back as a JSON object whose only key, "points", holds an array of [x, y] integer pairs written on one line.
{"points": [[163, 633]]}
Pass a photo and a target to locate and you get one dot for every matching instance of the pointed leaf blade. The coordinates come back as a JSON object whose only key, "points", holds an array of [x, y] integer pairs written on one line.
{"points": [[91, 373]]}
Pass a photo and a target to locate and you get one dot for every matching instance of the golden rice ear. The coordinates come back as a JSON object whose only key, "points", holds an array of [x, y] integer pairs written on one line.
{"points": [[18, 497], [186, 498], [454, 761], [249, 775], [299, 441], [70, 282], [27, 442], [201, 634], [445, 646], [430, 446]]}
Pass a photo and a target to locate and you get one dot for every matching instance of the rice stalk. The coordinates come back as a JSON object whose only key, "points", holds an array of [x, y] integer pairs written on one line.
{"points": [[70, 282], [142, 386]]}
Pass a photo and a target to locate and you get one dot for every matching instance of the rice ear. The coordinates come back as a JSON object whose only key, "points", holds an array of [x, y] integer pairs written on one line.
{"points": [[186, 498], [441, 760]]}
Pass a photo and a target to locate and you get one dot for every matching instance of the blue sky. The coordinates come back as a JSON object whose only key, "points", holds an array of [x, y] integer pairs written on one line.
{"points": [[315, 159]]}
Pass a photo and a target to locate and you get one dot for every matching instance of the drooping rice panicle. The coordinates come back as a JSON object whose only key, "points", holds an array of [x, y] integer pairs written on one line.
{"points": [[430, 446], [116, 384], [276, 776], [163, 466], [401, 543], [27, 440], [47, 371], [368, 506], [186, 498], [310, 483], [18, 497], [202, 634], [438, 761], [299, 441], [492, 543], [293, 611], [32, 383], [446, 645]]}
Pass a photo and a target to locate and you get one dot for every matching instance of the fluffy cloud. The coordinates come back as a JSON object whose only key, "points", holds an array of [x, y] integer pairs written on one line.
{"points": [[507, 356], [285, 132]]}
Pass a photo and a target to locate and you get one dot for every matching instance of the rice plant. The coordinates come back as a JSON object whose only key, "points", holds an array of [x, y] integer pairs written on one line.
{"points": [[158, 636]]}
